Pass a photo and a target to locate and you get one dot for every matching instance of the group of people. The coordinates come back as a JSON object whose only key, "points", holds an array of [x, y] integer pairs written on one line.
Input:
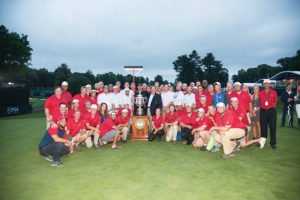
{"points": [[199, 113]]}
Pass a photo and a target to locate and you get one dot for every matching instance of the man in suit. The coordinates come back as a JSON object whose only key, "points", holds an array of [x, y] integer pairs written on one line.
{"points": [[287, 98], [154, 102]]}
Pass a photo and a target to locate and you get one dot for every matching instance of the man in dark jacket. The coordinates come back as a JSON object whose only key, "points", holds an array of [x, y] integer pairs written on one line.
{"points": [[154, 101], [287, 98]]}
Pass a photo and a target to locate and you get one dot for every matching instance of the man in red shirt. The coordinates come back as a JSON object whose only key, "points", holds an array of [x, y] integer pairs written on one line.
{"points": [[87, 109], [186, 124], [244, 99], [122, 122], [201, 132], [82, 97], [66, 93], [62, 112], [198, 95], [209, 94], [109, 131], [228, 129], [92, 122], [52, 104], [268, 115], [171, 124], [231, 93], [76, 130], [75, 106]]}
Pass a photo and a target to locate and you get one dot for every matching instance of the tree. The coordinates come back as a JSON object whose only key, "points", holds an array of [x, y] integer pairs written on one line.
{"points": [[290, 63], [188, 67], [46, 78], [62, 73], [159, 79], [76, 81], [15, 55]]}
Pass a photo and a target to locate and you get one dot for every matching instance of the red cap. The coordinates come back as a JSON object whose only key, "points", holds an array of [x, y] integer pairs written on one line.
{"points": [[60, 118]]}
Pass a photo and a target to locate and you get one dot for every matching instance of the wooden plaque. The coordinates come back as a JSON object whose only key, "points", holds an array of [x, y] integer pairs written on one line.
{"points": [[140, 126]]}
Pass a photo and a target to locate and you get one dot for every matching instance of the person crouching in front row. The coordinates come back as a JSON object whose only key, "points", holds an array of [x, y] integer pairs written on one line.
{"points": [[92, 121], [171, 124], [122, 122], [55, 144], [186, 124], [157, 126]]}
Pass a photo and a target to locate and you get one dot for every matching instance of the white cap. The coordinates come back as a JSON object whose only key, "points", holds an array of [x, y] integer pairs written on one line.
{"points": [[217, 83], [112, 112], [267, 81], [126, 89], [93, 91], [201, 110], [237, 83], [188, 105], [220, 104], [125, 110], [234, 99], [64, 83], [94, 106], [115, 87], [75, 100], [178, 103], [88, 85], [195, 87]]}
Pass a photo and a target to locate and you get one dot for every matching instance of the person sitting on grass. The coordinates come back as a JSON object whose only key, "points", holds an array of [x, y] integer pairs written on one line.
{"points": [[62, 112], [55, 144], [171, 124], [211, 113], [186, 124], [122, 122], [158, 126], [92, 122], [229, 130], [76, 130], [109, 131], [201, 133]]}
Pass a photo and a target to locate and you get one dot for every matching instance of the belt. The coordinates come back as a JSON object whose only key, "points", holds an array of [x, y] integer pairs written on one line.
{"points": [[267, 109]]}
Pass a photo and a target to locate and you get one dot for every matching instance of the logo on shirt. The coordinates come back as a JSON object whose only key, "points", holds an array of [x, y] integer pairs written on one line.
{"points": [[139, 124]]}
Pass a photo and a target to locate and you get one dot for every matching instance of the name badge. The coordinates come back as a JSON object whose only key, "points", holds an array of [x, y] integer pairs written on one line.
{"points": [[267, 103]]}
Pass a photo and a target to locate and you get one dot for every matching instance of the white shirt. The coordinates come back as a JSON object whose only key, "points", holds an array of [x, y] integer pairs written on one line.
{"points": [[104, 98], [123, 92], [115, 99], [126, 100], [150, 100], [166, 98], [189, 98], [178, 98]]}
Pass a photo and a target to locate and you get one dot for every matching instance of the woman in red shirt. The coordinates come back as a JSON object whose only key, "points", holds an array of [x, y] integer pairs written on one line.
{"points": [[158, 126]]}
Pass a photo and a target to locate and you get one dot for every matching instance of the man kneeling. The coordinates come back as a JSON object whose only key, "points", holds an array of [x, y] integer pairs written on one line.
{"points": [[110, 132], [122, 122], [55, 144], [229, 129], [76, 130], [92, 121]]}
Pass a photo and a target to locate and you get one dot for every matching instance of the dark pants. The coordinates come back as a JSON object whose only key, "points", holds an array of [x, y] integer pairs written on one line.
{"points": [[287, 109], [55, 149], [268, 117], [187, 135], [152, 136]]}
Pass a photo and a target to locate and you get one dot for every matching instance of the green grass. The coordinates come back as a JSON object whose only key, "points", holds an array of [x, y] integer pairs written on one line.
{"points": [[37, 102], [144, 170]]}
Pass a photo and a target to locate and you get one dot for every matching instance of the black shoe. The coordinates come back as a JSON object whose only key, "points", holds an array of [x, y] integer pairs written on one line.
{"points": [[258, 144], [96, 147], [274, 146], [203, 148]]}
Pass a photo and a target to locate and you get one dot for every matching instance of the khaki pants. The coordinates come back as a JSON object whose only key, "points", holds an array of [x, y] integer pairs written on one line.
{"points": [[150, 120], [88, 140], [172, 133], [125, 132], [226, 139]]}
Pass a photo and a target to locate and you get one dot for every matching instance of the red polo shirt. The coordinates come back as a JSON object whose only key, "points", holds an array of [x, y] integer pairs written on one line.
{"points": [[67, 95], [56, 116], [52, 103], [197, 99], [71, 114], [181, 112], [106, 126], [74, 127], [241, 112], [270, 97], [93, 121], [54, 131], [188, 120], [205, 107], [84, 114], [128, 115], [209, 98], [244, 100], [205, 121], [120, 120], [229, 118], [157, 122], [171, 118], [81, 101], [232, 94]]}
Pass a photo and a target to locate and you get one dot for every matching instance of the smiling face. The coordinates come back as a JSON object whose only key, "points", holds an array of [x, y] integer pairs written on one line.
{"points": [[221, 109], [157, 112]]}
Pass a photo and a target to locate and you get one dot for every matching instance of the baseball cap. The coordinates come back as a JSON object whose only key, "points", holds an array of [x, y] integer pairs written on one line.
{"points": [[237, 83], [267, 81], [75, 100], [105, 86], [94, 106], [220, 104], [217, 83], [125, 110], [88, 85], [234, 99], [64, 83], [60, 118], [201, 110], [112, 112], [115, 87]]}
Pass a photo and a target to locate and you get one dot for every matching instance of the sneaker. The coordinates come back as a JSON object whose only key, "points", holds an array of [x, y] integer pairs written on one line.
{"points": [[174, 142], [59, 164], [184, 142], [230, 155], [49, 158], [262, 142], [274, 146], [53, 163], [203, 148], [215, 149], [237, 147], [96, 147]]}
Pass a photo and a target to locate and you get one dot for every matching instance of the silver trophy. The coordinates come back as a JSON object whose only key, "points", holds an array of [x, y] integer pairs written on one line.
{"points": [[139, 100]]}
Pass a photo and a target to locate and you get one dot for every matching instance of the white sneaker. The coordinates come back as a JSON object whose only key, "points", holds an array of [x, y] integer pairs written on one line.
{"points": [[262, 142]]}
